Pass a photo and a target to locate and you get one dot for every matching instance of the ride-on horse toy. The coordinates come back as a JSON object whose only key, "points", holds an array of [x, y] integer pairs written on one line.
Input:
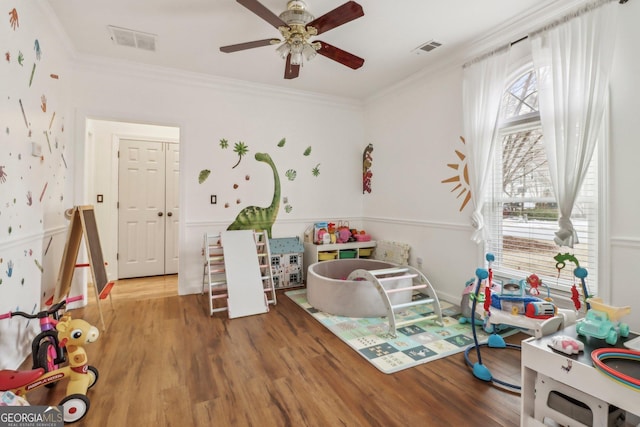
{"points": [[72, 333]]}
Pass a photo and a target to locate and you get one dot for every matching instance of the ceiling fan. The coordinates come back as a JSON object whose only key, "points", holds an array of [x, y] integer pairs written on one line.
{"points": [[297, 26]]}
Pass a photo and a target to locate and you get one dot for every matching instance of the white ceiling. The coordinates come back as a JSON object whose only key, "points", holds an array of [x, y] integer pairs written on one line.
{"points": [[190, 32]]}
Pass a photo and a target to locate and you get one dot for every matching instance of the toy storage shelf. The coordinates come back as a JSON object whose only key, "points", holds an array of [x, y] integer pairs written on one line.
{"points": [[314, 253]]}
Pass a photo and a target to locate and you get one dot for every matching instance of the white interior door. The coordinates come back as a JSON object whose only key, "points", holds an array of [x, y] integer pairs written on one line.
{"points": [[145, 230]]}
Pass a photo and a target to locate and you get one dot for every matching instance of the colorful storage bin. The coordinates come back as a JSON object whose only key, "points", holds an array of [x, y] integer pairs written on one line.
{"points": [[348, 253], [326, 256]]}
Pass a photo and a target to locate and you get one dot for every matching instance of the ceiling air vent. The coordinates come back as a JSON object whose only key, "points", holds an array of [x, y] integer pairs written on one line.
{"points": [[427, 47], [131, 38]]}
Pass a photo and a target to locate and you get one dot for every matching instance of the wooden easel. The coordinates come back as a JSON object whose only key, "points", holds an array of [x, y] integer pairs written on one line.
{"points": [[83, 223]]}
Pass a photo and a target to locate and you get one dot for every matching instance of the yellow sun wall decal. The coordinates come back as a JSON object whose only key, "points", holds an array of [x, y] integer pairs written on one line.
{"points": [[461, 179]]}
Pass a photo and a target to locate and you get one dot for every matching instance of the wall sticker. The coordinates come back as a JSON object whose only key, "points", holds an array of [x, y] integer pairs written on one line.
{"points": [[367, 174], [461, 179]]}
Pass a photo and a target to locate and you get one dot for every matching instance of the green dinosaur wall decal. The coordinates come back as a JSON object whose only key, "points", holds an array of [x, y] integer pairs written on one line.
{"points": [[256, 217]]}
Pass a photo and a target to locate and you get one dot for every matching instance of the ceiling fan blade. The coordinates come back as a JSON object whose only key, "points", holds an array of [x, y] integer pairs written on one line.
{"points": [[248, 45], [341, 56], [291, 71], [338, 16], [259, 9]]}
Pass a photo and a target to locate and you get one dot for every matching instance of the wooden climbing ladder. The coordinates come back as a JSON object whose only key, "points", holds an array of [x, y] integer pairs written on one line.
{"points": [[237, 272], [422, 293]]}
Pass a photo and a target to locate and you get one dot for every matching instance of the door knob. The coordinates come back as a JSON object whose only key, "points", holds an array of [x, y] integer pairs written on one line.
{"points": [[169, 213], [159, 213]]}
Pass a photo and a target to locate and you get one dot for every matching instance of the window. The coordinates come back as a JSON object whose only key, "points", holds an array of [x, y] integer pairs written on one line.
{"points": [[520, 210]]}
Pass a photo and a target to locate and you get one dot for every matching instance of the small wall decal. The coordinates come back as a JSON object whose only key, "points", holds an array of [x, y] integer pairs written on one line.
{"points": [[316, 170], [46, 134], [24, 115], [43, 190], [282, 142], [241, 149], [367, 174], [33, 72], [48, 245], [461, 178], [290, 174], [307, 151], [36, 47], [14, 21], [203, 175], [9, 268], [224, 144]]}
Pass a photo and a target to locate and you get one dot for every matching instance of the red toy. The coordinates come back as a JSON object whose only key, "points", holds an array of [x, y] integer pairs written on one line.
{"points": [[73, 333]]}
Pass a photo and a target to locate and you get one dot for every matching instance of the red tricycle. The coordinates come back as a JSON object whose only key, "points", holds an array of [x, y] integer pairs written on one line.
{"points": [[45, 349], [73, 334]]}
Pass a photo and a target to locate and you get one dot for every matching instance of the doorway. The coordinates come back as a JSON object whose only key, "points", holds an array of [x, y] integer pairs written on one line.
{"points": [[149, 210], [101, 187]]}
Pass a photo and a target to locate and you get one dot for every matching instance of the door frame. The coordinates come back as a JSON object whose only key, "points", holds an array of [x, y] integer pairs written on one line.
{"points": [[86, 187]]}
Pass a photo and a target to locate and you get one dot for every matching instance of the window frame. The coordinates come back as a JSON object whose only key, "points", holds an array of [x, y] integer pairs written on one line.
{"points": [[562, 286]]}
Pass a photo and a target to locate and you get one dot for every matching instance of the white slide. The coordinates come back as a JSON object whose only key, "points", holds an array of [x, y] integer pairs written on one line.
{"points": [[244, 281]]}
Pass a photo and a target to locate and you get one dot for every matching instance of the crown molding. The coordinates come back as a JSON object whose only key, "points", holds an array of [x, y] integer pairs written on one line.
{"points": [[101, 65], [511, 31]]}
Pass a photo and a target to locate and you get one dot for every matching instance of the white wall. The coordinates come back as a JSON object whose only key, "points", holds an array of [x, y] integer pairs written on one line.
{"points": [[207, 112], [624, 211], [415, 131], [34, 189]]}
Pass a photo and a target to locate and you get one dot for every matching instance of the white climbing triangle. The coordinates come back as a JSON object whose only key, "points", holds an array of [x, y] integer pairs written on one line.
{"points": [[238, 270], [419, 283]]}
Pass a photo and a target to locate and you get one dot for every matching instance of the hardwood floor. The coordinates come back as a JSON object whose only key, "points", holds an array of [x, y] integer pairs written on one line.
{"points": [[163, 361]]}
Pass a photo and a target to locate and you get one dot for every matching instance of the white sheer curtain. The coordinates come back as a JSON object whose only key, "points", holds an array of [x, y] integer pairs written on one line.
{"points": [[573, 60], [482, 90]]}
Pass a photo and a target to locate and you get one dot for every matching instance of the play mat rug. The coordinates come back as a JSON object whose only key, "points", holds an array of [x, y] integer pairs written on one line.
{"points": [[416, 344]]}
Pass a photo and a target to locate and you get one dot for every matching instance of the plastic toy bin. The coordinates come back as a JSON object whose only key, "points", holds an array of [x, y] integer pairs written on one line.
{"points": [[325, 256], [366, 252], [348, 253]]}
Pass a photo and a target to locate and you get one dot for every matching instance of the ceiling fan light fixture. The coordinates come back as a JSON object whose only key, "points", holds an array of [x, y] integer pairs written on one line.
{"points": [[296, 58], [283, 50], [309, 52], [296, 13], [297, 28]]}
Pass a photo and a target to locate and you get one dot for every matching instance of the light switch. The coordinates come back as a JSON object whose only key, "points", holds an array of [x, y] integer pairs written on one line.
{"points": [[36, 149]]}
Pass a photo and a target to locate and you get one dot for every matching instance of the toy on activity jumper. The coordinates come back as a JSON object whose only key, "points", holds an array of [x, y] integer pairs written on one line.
{"points": [[579, 272]]}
